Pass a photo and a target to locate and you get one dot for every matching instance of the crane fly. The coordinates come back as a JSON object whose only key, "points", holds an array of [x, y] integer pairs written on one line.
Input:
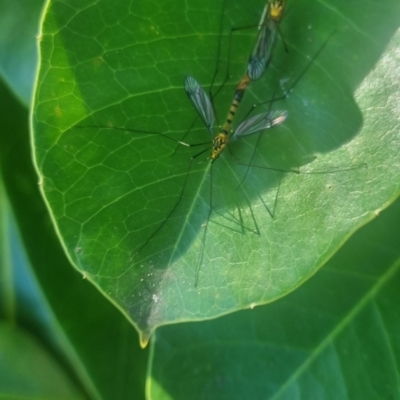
{"points": [[203, 103]]}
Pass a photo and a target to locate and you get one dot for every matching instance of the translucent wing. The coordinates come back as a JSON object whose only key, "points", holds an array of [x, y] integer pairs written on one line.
{"points": [[201, 101], [261, 55], [258, 123]]}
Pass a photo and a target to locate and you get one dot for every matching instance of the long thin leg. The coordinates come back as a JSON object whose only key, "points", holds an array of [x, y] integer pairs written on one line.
{"points": [[272, 213], [254, 150], [203, 240], [116, 128], [218, 55], [296, 81], [293, 171], [171, 211], [179, 199]]}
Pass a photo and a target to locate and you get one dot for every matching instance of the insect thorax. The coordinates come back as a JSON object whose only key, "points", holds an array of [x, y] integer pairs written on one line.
{"points": [[219, 143]]}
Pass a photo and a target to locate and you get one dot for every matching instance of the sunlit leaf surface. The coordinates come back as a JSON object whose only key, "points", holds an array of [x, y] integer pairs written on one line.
{"points": [[335, 337]]}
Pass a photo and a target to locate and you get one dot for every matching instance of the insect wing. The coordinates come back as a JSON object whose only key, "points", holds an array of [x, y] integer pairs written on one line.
{"points": [[262, 52], [201, 101], [259, 122]]}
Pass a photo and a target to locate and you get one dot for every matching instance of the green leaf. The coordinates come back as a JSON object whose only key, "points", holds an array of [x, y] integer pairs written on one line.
{"points": [[42, 295], [109, 191], [335, 337], [19, 21], [28, 371]]}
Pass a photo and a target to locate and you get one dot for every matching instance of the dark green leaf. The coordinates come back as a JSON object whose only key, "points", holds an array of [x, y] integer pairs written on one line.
{"points": [[41, 294], [109, 190], [27, 371], [19, 22]]}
